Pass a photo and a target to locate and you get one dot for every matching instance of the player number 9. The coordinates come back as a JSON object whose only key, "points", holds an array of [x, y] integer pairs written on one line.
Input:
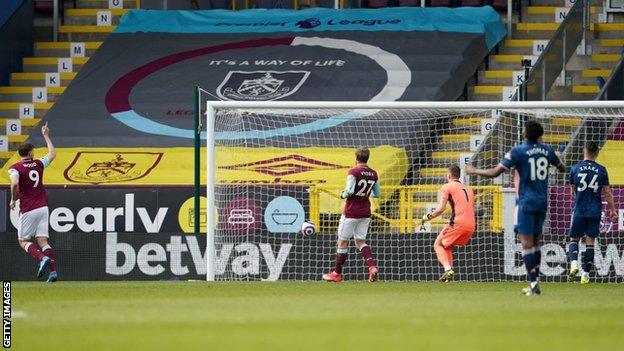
{"points": [[34, 176]]}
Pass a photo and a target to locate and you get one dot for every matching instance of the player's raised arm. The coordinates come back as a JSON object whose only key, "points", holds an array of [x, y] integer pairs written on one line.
{"points": [[51, 149], [488, 173], [14, 175], [349, 187], [555, 160]]}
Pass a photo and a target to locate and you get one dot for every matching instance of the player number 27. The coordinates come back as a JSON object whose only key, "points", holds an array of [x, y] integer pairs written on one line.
{"points": [[592, 183], [539, 168], [365, 187], [34, 176]]}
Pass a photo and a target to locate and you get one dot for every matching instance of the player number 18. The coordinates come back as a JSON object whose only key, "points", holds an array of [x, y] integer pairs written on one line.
{"points": [[539, 168]]}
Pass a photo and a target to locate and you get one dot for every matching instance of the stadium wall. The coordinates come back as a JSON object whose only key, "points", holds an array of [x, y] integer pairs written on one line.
{"points": [[139, 234]]}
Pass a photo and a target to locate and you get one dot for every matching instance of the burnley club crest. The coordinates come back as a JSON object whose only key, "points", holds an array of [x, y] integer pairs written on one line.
{"points": [[260, 85]]}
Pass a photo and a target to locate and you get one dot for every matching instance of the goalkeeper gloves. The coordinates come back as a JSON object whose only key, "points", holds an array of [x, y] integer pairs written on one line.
{"points": [[426, 217]]}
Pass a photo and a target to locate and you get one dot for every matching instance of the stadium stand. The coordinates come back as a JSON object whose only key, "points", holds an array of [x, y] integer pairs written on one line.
{"points": [[531, 35], [91, 22]]}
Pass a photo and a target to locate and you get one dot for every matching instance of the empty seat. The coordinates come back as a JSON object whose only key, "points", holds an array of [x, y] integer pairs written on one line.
{"points": [[472, 2], [44, 6], [409, 2], [499, 4], [440, 3], [377, 3]]}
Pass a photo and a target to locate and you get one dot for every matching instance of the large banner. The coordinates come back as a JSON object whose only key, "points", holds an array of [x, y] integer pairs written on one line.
{"points": [[136, 91], [132, 256]]}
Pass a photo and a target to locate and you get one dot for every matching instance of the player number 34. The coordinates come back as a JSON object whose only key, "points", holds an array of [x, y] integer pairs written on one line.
{"points": [[592, 183]]}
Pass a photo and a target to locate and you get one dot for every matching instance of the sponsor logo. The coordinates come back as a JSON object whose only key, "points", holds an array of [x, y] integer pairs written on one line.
{"points": [[100, 219], [284, 214], [308, 23], [186, 215], [241, 215], [363, 22], [261, 85], [95, 167], [243, 259], [554, 259], [284, 166]]}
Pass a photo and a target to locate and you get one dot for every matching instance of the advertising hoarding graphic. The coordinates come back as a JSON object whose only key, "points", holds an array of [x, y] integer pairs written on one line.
{"points": [[130, 256], [284, 214]]}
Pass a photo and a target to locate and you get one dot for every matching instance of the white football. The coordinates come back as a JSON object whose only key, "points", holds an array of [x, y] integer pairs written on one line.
{"points": [[308, 228]]}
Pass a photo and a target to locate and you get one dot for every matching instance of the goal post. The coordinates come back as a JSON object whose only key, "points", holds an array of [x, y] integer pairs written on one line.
{"points": [[271, 165]]}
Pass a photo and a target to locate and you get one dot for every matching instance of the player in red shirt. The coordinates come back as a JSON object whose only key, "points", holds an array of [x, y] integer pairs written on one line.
{"points": [[27, 186], [462, 223], [362, 182]]}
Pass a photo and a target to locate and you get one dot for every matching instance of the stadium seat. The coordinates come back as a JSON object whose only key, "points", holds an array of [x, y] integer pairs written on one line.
{"points": [[472, 2], [440, 3], [44, 6], [377, 3], [409, 2], [499, 5]]}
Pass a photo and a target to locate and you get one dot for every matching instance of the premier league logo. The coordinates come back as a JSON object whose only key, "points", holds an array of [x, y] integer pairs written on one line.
{"points": [[260, 85], [308, 23]]}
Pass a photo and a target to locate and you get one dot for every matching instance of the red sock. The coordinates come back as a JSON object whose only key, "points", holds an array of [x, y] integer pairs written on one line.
{"points": [[34, 251], [445, 256], [340, 260], [367, 254], [47, 250]]}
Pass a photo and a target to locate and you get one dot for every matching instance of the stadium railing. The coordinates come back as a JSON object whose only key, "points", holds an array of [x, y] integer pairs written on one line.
{"points": [[561, 46], [614, 87], [490, 198]]}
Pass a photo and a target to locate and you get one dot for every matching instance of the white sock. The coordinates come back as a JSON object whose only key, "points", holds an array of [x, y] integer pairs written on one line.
{"points": [[534, 284], [447, 268], [574, 263]]}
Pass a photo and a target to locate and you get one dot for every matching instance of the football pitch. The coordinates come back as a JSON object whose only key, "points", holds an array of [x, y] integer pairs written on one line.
{"points": [[315, 316]]}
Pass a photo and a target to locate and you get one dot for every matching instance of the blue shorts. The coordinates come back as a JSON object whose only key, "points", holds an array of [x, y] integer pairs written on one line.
{"points": [[529, 222], [582, 226]]}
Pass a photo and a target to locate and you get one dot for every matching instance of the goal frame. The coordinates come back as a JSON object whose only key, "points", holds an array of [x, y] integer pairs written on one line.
{"points": [[213, 106]]}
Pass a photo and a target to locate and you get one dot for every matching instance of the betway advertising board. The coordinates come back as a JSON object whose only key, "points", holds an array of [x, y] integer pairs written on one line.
{"points": [[139, 234], [169, 210]]}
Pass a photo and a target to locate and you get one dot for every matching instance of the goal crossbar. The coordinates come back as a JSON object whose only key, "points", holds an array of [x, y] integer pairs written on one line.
{"points": [[461, 105]]}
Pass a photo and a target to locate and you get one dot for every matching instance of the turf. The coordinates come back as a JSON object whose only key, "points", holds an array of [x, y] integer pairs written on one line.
{"points": [[316, 316]]}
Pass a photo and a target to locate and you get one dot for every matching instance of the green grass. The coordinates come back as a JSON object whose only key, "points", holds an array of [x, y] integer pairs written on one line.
{"points": [[316, 316]]}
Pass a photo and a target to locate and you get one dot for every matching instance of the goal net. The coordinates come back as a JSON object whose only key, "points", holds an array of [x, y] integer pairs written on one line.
{"points": [[272, 166]]}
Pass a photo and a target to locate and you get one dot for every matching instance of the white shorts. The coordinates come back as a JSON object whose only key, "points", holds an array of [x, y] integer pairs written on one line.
{"points": [[356, 228], [33, 224]]}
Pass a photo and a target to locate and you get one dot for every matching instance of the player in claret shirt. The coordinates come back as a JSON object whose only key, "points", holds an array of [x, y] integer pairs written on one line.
{"points": [[27, 186], [362, 182], [588, 181]]}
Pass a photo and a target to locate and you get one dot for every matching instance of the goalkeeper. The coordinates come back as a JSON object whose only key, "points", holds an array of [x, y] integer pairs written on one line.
{"points": [[461, 225]]}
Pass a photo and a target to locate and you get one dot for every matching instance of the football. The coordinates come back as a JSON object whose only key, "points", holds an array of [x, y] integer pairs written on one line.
{"points": [[308, 228]]}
